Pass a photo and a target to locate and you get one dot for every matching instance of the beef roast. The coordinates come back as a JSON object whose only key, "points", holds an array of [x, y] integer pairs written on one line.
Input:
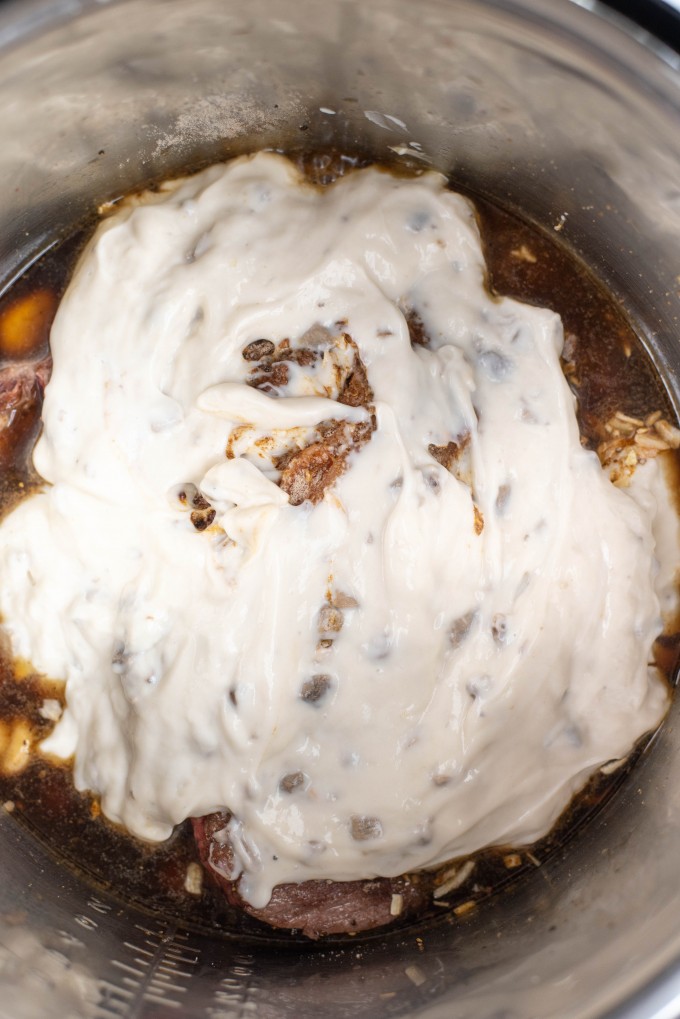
{"points": [[316, 908], [22, 386]]}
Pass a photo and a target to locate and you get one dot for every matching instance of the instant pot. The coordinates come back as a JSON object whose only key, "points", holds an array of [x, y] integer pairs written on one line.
{"points": [[565, 112]]}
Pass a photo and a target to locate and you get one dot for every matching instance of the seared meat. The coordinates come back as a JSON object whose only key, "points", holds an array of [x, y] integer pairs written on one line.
{"points": [[315, 908], [22, 386], [308, 473]]}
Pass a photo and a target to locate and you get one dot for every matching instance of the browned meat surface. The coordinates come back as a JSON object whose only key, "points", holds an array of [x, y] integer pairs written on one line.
{"points": [[455, 457], [271, 364], [308, 473], [22, 386], [356, 390], [416, 329], [446, 455], [269, 376], [315, 908]]}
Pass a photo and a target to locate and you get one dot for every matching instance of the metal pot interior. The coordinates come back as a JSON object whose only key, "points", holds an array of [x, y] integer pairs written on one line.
{"points": [[547, 108]]}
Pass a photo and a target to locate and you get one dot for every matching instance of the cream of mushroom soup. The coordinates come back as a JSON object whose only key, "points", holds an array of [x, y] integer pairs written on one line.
{"points": [[319, 542]]}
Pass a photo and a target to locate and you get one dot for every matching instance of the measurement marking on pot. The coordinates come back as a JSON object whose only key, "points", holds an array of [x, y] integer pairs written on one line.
{"points": [[86, 921], [233, 997], [153, 974], [69, 940], [115, 1001], [98, 906], [182, 954], [130, 983], [140, 953], [160, 999], [127, 969], [167, 974]]}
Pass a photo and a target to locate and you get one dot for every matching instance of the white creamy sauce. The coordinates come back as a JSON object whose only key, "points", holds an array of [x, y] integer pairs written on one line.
{"points": [[478, 678]]}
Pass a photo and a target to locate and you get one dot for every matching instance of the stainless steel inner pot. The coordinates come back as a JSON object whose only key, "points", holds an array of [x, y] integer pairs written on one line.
{"points": [[548, 107]]}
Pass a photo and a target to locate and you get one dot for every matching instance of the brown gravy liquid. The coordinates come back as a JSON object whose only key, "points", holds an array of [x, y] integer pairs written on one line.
{"points": [[611, 372]]}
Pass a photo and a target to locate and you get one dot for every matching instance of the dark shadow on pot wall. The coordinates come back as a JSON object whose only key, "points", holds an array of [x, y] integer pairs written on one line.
{"points": [[655, 16]]}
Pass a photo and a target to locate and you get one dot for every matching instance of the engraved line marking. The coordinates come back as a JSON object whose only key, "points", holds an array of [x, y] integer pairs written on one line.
{"points": [[234, 994], [115, 1001], [168, 961], [174, 973], [127, 969], [132, 982], [160, 1000], [156, 974], [162, 979], [70, 939], [182, 955], [183, 966], [158, 933], [114, 989], [235, 1009], [136, 948], [172, 992], [111, 1007], [86, 921], [99, 906]]}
